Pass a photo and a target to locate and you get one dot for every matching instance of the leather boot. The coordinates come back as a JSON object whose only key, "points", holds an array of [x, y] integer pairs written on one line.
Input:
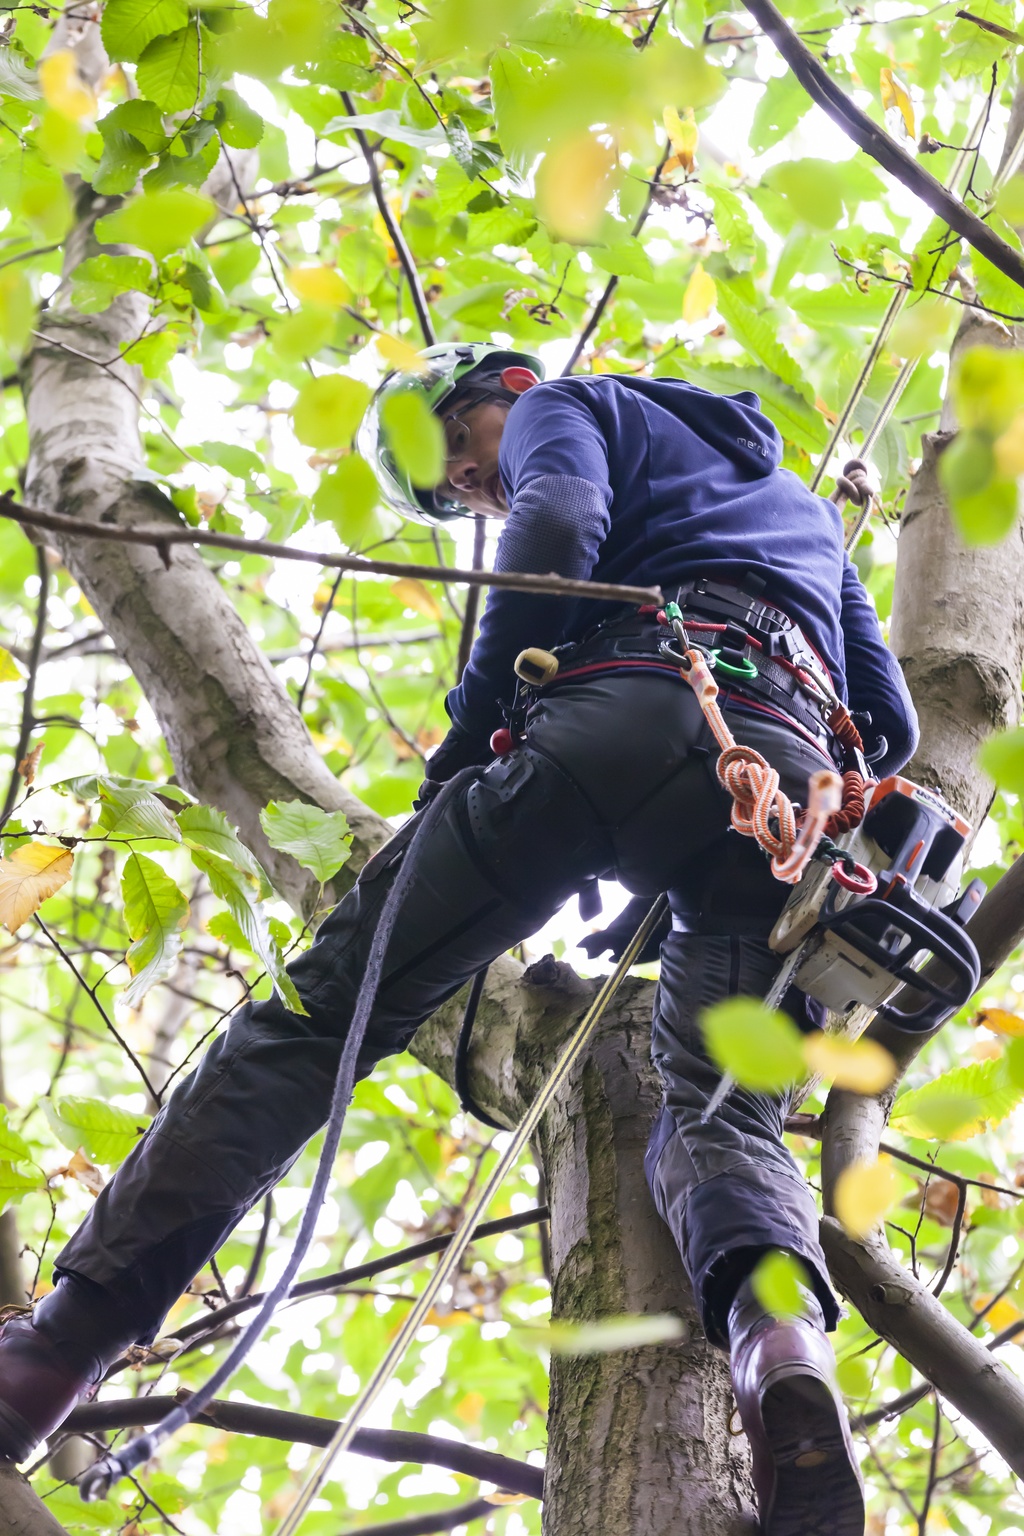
{"points": [[53, 1356], [783, 1373]]}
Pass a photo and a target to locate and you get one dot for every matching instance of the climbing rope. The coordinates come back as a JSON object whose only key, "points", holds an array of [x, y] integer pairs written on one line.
{"points": [[760, 807]]}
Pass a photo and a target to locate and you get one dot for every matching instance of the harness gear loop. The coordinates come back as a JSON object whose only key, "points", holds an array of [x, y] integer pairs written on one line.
{"points": [[754, 784], [571, 1054]]}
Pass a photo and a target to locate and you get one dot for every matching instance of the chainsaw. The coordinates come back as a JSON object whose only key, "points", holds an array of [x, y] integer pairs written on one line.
{"points": [[880, 909]]}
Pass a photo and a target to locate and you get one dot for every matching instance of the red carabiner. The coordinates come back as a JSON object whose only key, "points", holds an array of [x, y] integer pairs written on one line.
{"points": [[858, 879]]}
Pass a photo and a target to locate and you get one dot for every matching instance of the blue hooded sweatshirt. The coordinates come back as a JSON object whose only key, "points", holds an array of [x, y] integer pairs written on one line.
{"points": [[655, 482]]}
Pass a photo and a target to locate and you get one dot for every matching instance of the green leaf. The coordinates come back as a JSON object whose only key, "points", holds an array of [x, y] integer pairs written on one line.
{"points": [[1010, 203], [783, 103], [238, 891], [13, 1148], [983, 503], [811, 189], [96, 282], [389, 124], [238, 124], [129, 25], [348, 497], [329, 409], [779, 1283], [128, 812], [17, 1181], [10, 672], [16, 79], [761, 1049], [159, 222], [121, 164], [155, 912], [756, 334], [302, 334], [1002, 758], [734, 227], [627, 259], [107, 1132], [959, 1104], [168, 70], [201, 826], [318, 840], [142, 119], [415, 437]]}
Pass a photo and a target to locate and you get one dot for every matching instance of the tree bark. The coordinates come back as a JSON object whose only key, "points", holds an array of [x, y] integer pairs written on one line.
{"points": [[22, 1512]]}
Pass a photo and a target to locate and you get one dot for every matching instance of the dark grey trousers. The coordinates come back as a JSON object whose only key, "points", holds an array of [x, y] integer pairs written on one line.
{"points": [[617, 779]]}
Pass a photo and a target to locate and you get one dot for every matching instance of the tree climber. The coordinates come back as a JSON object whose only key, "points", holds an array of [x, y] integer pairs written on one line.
{"points": [[610, 772]]}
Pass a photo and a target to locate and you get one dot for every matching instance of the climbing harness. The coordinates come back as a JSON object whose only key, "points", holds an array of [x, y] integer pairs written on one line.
{"points": [[447, 1264]]}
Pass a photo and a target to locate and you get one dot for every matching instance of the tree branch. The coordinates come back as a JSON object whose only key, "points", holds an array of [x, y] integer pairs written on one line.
{"points": [[425, 1525], [305, 1429], [916, 1323], [161, 538], [22, 1512], [823, 90], [28, 697], [209, 1322], [402, 251]]}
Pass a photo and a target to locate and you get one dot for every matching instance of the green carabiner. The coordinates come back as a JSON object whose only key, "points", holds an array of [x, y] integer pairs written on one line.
{"points": [[746, 669]]}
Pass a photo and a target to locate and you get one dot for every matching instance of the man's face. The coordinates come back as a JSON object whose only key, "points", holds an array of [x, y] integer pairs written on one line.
{"points": [[473, 437]]}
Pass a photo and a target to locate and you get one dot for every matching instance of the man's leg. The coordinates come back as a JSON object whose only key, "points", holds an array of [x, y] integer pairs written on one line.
{"points": [[232, 1128], [730, 1191]]}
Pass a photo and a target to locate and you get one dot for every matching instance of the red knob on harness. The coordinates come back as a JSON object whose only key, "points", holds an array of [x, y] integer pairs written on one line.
{"points": [[858, 879], [502, 741]]}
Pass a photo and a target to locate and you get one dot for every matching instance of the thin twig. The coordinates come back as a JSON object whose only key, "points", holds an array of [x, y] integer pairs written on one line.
{"points": [[28, 697], [104, 1015], [328, 608], [393, 228], [163, 538], [252, 1274], [933, 1467], [325, 1284], [472, 609]]}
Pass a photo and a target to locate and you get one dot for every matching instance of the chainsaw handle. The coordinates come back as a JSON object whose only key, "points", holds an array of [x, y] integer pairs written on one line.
{"points": [[927, 929]]}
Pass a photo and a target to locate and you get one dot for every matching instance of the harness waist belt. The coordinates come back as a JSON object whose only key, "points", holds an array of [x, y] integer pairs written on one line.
{"points": [[723, 619]]}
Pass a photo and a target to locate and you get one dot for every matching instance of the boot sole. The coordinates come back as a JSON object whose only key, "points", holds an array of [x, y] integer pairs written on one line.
{"points": [[817, 1489], [17, 1438]]}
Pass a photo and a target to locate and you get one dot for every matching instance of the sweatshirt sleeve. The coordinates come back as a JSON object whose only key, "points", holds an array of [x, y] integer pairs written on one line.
{"points": [[554, 467], [874, 679]]}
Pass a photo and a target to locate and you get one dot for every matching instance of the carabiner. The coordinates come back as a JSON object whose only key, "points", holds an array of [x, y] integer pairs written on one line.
{"points": [[854, 877]]}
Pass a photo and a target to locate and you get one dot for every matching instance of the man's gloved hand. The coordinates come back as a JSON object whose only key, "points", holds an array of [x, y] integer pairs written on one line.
{"points": [[460, 749]]}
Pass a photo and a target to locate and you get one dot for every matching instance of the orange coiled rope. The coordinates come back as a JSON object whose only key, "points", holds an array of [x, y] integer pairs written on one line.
{"points": [[754, 786]]}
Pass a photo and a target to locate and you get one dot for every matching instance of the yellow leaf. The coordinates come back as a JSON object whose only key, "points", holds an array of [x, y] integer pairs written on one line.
{"points": [[863, 1066], [413, 594], [323, 287], [700, 295], [1009, 449], [894, 94], [864, 1192], [400, 355], [470, 1407], [31, 874], [1002, 1313], [574, 185], [10, 672], [682, 135], [499, 1496], [1001, 1022], [62, 87]]}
